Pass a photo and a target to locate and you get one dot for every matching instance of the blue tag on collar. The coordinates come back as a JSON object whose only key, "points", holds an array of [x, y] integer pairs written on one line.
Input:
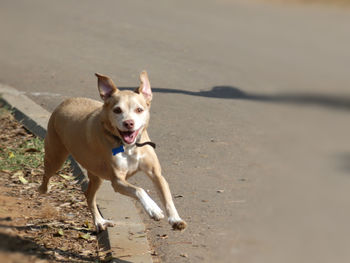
{"points": [[117, 150]]}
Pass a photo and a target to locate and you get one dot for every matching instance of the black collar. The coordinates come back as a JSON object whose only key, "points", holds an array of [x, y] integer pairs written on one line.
{"points": [[145, 143]]}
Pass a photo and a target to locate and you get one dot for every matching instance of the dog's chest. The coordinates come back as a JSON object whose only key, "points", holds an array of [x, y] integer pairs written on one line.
{"points": [[128, 161]]}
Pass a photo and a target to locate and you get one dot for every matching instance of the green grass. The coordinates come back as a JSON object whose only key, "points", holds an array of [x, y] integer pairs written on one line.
{"points": [[19, 149], [23, 156]]}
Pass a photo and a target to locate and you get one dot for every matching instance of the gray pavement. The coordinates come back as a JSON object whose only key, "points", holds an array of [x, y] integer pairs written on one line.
{"points": [[249, 98]]}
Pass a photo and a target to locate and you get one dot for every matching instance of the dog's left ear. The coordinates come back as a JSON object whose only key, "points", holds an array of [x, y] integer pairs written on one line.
{"points": [[106, 86], [145, 86]]}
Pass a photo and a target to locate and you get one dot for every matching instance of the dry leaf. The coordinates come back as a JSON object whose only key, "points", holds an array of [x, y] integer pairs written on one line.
{"points": [[85, 236], [23, 180], [17, 174], [67, 177], [60, 232], [31, 150], [58, 256], [87, 224], [85, 252]]}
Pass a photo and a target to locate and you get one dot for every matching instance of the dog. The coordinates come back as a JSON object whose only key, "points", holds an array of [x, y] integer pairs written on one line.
{"points": [[111, 142]]}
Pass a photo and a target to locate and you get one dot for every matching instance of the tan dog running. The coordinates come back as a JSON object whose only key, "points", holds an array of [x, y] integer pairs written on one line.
{"points": [[89, 130]]}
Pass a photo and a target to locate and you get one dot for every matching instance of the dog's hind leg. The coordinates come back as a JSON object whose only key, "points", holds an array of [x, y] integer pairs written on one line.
{"points": [[55, 155], [90, 194]]}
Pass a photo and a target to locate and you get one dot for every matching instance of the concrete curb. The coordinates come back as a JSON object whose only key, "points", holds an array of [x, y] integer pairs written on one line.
{"points": [[127, 242]]}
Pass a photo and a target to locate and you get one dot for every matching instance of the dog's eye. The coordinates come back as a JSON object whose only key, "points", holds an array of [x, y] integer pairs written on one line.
{"points": [[117, 110], [139, 110]]}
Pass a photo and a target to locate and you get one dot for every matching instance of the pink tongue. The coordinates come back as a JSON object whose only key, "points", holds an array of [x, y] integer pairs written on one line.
{"points": [[128, 137]]}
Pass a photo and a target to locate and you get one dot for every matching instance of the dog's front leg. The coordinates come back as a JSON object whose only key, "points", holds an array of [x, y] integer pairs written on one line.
{"points": [[162, 185], [122, 186]]}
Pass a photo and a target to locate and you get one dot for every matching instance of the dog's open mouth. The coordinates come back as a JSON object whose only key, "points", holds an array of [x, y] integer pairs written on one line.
{"points": [[129, 136]]}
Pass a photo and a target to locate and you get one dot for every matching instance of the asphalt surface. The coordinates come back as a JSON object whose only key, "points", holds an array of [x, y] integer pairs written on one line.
{"points": [[250, 112]]}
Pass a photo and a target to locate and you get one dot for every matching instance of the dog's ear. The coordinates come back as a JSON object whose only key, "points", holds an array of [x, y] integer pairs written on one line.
{"points": [[145, 86], [106, 86]]}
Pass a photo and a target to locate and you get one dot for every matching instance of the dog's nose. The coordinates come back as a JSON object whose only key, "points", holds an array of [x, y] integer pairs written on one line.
{"points": [[129, 124]]}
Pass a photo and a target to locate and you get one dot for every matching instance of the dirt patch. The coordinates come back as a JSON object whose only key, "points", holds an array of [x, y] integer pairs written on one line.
{"points": [[56, 227]]}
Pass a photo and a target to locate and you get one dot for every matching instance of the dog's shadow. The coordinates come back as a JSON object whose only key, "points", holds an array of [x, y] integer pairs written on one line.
{"points": [[335, 102]]}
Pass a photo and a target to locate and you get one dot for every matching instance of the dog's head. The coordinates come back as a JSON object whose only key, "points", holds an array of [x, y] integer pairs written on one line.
{"points": [[125, 113]]}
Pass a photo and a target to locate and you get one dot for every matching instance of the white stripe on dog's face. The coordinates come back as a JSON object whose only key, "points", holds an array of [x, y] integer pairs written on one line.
{"points": [[139, 118]]}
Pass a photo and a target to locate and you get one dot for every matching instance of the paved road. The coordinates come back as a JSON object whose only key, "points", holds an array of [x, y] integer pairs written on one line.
{"points": [[252, 99]]}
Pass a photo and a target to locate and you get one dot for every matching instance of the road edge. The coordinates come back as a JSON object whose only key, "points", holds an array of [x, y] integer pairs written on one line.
{"points": [[127, 242]]}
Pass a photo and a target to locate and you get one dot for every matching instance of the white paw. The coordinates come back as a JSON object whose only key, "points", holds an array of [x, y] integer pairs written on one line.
{"points": [[150, 206], [155, 212], [102, 224], [177, 223]]}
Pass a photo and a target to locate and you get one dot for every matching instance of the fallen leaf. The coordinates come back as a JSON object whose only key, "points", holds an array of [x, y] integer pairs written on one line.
{"points": [[65, 204], [31, 150], [23, 180], [85, 236], [85, 253], [17, 174], [60, 232], [58, 256], [164, 236], [78, 228], [184, 255], [67, 177], [87, 224], [19, 132]]}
